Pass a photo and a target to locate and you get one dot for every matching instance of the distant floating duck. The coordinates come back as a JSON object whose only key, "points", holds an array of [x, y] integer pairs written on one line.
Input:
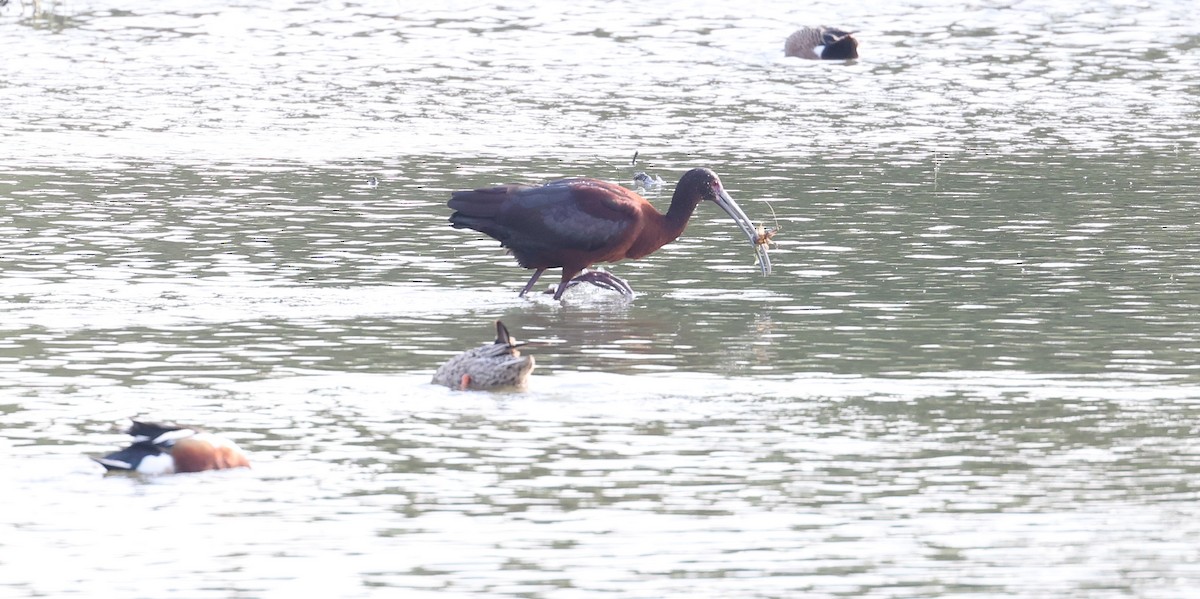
{"points": [[643, 181], [165, 449], [497, 365], [821, 42]]}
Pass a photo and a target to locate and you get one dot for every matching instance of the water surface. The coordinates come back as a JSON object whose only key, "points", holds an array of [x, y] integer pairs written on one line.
{"points": [[972, 373]]}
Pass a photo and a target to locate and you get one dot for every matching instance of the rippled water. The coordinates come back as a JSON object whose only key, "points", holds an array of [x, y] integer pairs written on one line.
{"points": [[973, 372]]}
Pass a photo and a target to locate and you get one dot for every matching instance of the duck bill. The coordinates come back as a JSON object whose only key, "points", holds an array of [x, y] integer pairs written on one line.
{"points": [[743, 222]]}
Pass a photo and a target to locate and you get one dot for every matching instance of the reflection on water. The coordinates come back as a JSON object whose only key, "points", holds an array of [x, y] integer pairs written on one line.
{"points": [[972, 371]]}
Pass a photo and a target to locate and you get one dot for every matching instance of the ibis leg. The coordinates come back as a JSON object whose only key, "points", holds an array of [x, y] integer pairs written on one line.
{"points": [[567, 277], [537, 273]]}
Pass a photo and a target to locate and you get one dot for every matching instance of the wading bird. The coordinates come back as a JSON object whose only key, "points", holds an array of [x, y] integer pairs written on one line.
{"points": [[821, 42], [575, 223], [165, 449], [497, 365]]}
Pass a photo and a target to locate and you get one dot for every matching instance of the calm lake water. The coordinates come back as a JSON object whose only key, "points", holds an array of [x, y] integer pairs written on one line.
{"points": [[973, 373]]}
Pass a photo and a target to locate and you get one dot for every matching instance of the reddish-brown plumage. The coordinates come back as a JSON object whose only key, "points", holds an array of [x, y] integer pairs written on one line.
{"points": [[164, 449], [200, 453], [575, 223]]}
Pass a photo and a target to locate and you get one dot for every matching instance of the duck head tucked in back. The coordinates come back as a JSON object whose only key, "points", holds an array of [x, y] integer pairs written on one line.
{"points": [[821, 42], [497, 365]]}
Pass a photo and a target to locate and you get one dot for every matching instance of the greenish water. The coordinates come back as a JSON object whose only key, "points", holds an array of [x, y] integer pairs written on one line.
{"points": [[972, 372]]}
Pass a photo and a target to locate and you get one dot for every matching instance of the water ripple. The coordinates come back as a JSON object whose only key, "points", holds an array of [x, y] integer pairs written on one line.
{"points": [[972, 371]]}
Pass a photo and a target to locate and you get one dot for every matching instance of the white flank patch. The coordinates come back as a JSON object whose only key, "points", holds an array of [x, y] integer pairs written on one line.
{"points": [[818, 50], [157, 464]]}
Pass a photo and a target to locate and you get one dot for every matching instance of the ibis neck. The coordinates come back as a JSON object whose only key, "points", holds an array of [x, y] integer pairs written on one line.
{"points": [[678, 215], [665, 229]]}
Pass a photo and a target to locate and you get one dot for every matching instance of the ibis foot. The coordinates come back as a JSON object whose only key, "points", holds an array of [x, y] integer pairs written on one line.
{"points": [[601, 279]]}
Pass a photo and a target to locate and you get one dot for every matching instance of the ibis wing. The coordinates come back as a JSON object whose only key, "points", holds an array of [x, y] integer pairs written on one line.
{"points": [[574, 214], [565, 222], [540, 224]]}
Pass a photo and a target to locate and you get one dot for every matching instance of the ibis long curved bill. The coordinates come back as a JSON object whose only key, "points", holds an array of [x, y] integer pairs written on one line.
{"points": [[747, 226]]}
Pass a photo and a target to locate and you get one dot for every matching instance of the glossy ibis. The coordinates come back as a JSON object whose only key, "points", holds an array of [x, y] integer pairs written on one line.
{"points": [[165, 449], [821, 42], [496, 365], [575, 223]]}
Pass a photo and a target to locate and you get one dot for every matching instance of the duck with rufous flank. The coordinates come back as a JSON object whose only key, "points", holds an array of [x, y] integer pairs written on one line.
{"points": [[167, 449]]}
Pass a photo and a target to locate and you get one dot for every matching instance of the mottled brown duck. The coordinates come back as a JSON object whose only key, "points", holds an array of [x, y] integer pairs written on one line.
{"points": [[497, 365]]}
